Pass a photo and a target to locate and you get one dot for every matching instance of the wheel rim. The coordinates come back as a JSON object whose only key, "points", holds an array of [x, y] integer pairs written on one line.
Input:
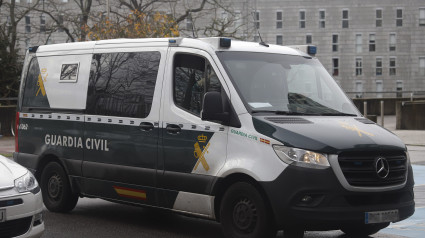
{"points": [[245, 215], [54, 187]]}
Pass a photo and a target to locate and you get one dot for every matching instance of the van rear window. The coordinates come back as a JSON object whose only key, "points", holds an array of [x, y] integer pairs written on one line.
{"points": [[122, 84], [35, 95]]}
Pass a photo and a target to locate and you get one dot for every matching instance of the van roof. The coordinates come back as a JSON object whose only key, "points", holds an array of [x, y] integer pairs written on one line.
{"points": [[208, 44]]}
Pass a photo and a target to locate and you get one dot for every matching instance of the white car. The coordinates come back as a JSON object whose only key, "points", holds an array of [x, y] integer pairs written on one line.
{"points": [[21, 203]]}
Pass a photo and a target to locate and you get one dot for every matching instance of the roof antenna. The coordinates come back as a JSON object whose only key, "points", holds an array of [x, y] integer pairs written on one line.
{"points": [[193, 26], [258, 32]]}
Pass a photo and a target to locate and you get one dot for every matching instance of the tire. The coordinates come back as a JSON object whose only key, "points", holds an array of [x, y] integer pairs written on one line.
{"points": [[363, 230], [244, 214], [56, 189]]}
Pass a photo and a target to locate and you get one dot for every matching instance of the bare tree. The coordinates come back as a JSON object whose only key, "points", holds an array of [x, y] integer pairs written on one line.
{"points": [[76, 29], [11, 63]]}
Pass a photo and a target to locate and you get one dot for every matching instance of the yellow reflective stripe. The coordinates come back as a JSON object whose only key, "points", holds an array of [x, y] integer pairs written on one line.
{"points": [[131, 193]]}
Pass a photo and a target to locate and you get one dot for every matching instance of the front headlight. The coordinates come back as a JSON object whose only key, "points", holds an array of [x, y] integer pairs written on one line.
{"points": [[301, 157], [26, 183]]}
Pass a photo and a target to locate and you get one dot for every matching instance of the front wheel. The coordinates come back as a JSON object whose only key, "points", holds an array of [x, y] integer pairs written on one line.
{"points": [[364, 230], [56, 189], [244, 213]]}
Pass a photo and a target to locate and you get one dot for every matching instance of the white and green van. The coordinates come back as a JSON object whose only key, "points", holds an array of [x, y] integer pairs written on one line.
{"points": [[258, 137]]}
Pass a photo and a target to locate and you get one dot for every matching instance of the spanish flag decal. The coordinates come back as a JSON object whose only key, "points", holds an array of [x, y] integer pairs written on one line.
{"points": [[130, 193]]}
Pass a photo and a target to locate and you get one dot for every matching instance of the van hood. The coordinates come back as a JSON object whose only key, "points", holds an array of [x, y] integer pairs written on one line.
{"points": [[328, 134], [9, 171]]}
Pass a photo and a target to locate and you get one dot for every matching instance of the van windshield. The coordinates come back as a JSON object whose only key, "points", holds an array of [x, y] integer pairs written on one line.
{"points": [[285, 84]]}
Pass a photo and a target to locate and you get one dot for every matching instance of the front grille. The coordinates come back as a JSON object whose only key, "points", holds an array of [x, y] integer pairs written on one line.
{"points": [[359, 168], [14, 228]]}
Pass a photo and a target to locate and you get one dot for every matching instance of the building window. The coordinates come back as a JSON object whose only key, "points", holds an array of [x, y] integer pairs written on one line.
{"points": [[279, 40], [393, 42], [302, 19], [308, 39], [42, 23], [279, 20], [359, 67], [257, 20], [60, 20], [359, 89], [335, 66], [378, 66], [335, 43], [189, 24], [399, 89], [379, 89], [8, 24], [359, 45], [422, 66], [399, 17], [372, 43], [421, 16], [238, 19], [224, 16], [322, 19], [344, 18], [27, 24], [393, 66], [378, 17]]}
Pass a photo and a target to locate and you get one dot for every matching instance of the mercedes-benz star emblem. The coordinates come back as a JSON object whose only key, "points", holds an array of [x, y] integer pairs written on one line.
{"points": [[382, 167]]}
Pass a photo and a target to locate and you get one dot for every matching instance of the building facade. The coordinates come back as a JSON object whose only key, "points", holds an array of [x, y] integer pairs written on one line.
{"points": [[368, 46]]}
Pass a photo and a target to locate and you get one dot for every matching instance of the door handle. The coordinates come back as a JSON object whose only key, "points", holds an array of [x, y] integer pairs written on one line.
{"points": [[146, 126], [173, 129]]}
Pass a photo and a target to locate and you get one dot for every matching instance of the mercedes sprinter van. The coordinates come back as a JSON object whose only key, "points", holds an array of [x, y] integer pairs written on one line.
{"points": [[258, 137]]}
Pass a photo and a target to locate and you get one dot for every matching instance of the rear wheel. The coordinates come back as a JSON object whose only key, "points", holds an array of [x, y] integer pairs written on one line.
{"points": [[244, 213], [364, 230], [57, 193]]}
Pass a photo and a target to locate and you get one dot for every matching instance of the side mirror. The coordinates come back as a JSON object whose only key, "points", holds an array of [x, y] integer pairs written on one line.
{"points": [[212, 109]]}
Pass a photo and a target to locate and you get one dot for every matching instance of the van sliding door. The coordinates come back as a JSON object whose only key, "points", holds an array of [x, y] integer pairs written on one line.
{"points": [[121, 128]]}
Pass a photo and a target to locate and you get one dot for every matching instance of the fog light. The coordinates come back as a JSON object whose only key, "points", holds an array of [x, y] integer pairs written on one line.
{"points": [[306, 199], [38, 219]]}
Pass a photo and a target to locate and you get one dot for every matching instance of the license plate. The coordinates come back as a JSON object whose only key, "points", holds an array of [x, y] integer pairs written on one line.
{"points": [[2, 215], [381, 216]]}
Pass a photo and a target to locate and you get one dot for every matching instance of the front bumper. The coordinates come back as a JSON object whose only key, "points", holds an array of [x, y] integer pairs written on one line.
{"points": [[314, 199], [22, 214]]}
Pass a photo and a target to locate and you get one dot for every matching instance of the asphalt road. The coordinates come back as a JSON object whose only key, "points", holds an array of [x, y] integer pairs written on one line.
{"points": [[95, 218]]}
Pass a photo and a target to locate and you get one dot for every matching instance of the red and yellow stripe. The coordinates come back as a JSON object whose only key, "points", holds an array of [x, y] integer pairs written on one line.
{"points": [[265, 141], [130, 193]]}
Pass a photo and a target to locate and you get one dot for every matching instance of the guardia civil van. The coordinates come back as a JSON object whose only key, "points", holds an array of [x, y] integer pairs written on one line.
{"points": [[258, 137]]}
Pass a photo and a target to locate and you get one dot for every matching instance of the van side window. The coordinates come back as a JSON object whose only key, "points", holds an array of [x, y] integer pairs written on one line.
{"points": [[193, 77], [35, 95], [122, 84]]}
